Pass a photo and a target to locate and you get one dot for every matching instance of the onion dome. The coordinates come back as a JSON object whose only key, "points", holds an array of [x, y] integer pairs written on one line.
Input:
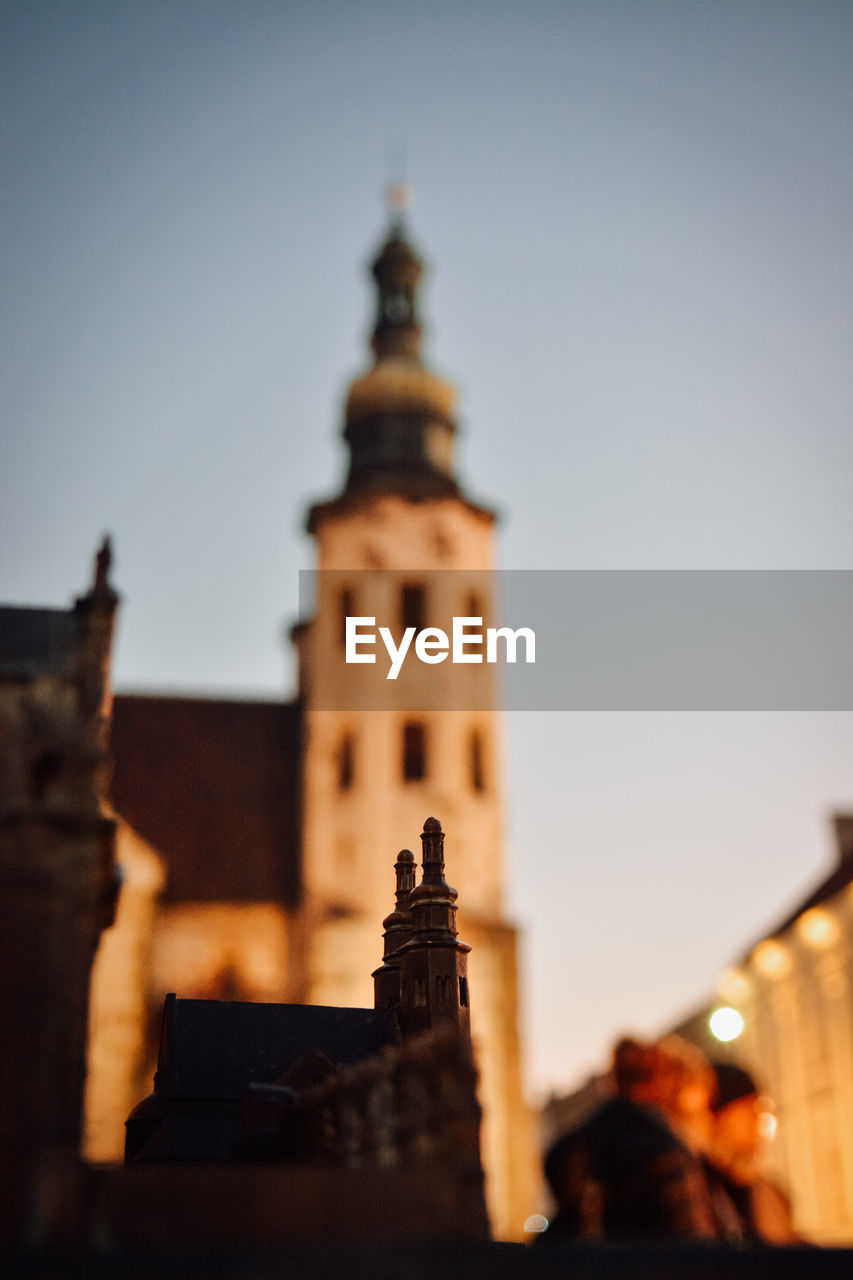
{"points": [[399, 415], [399, 420]]}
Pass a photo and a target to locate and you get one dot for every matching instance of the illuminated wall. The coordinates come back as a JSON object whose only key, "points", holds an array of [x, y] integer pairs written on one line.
{"points": [[794, 993]]}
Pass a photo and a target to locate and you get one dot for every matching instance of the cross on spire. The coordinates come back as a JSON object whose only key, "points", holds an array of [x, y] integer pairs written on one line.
{"points": [[398, 193]]}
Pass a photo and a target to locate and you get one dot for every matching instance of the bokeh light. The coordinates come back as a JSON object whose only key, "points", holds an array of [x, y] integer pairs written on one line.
{"points": [[726, 1024]]}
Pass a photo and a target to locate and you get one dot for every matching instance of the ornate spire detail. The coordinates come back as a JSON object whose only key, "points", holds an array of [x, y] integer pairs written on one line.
{"points": [[400, 417], [95, 612], [433, 903], [100, 594], [397, 271], [397, 929], [433, 963], [103, 562]]}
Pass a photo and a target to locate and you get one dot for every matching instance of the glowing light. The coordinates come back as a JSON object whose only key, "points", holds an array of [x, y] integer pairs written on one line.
{"points": [[817, 928], [767, 1125], [535, 1224], [726, 1024], [771, 959]]}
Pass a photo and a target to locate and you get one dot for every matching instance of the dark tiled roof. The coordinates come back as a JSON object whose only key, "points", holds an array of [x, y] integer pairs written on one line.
{"points": [[214, 786], [36, 641], [262, 1041]]}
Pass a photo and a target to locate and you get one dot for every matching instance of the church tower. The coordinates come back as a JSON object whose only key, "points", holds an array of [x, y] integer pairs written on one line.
{"points": [[402, 541]]}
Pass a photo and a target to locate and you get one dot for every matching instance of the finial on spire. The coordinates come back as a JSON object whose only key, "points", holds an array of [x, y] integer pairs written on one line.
{"points": [[399, 197], [405, 871], [398, 193], [397, 931], [432, 861], [103, 563], [100, 597]]}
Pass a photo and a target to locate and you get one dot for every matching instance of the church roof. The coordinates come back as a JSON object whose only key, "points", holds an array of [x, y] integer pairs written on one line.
{"points": [[214, 786], [262, 1041]]}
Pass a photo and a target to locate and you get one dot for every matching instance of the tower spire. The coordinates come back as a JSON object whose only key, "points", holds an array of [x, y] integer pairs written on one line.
{"points": [[433, 963], [397, 931], [400, 419], [397, 270]]}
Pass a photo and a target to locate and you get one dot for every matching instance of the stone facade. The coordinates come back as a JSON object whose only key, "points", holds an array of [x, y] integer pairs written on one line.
{"points": [[117, 1059], [404, 543], [57, 879], [274, 821]]}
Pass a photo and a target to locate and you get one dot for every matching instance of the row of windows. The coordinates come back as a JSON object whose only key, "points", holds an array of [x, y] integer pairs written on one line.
{"points": [[414, 761], [412, 607]]}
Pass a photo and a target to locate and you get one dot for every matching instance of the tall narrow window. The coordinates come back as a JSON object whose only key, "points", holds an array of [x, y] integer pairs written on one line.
{"points": [[346, 762], [413, 605], [474, 606], [414, 751], [346, 609], [475, 761]]}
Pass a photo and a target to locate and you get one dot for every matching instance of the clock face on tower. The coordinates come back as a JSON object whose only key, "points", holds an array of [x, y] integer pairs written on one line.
{"points": [[396, 307]]}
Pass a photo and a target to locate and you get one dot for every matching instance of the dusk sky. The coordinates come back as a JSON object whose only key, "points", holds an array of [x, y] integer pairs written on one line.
{"points": [[637, 218]]}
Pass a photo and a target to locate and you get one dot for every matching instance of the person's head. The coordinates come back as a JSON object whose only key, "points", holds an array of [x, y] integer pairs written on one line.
{"points": [[736, 1128], [669, 1074]]}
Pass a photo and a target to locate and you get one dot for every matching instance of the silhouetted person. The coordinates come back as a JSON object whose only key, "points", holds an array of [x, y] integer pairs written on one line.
{"points": [[634, 1167], [736, 1149]]}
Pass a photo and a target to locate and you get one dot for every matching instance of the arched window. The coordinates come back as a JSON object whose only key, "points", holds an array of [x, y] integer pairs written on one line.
{"points": [[346, 762], [414, 751], [45, 771], [476, 766], [413, 605], [474, 606], [346, 609]]}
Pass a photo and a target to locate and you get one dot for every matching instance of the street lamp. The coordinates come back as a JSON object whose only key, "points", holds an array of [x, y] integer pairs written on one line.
{"points": [[726, 1024]]}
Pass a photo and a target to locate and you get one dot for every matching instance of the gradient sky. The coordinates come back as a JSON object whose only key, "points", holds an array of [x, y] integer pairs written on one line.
{"points": [[638, 221]]}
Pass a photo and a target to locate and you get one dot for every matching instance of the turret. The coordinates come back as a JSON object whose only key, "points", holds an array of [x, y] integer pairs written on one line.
{"points": [[433, 963], [399, 417], [397, 931]]}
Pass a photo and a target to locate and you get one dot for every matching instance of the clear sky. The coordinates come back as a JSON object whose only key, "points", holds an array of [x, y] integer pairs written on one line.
{"points": [[638, 220]]}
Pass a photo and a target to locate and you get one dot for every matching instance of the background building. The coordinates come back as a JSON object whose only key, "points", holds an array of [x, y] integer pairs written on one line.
{"points": [[793, 990], [274, 821], [58, 885]]}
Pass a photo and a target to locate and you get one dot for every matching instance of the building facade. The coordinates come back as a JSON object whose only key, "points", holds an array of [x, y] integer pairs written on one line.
{"points": [[275, 820], [794, 991], [57, 878]]}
